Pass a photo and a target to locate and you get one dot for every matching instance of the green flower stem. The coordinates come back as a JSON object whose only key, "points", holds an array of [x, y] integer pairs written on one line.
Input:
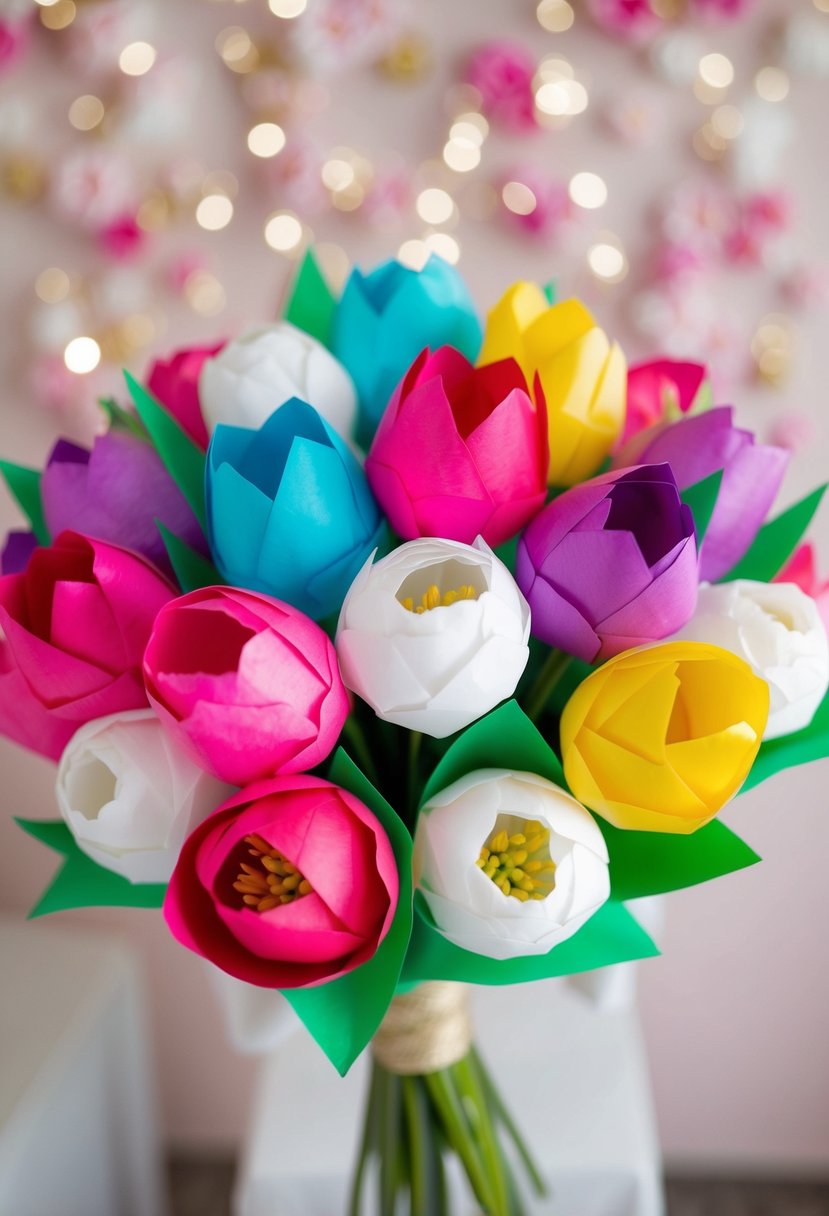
{"points": [[505, 1118], [389, 1140], [355, 735], [415, 740], [539, 694], [448, 1106], [367, 1142], [474, 1102], [417, 1136]]}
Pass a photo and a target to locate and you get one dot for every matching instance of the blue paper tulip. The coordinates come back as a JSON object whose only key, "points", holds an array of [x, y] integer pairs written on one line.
{"points": [[386, 318], [290, 512]]}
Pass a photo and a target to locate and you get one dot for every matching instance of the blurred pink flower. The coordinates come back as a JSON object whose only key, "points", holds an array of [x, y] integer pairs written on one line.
{"points": [[634, 20], [123, 238], [806, 285], [676, 261], [634, 117], [93, 187], [502, 71], [14, 38], [801, 569], [724, 9], [793, 430], [553, 209], [388, 196], [295, 176], [700, 214]]}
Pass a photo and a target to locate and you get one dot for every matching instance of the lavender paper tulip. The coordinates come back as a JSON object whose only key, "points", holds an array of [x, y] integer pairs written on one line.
{"points": [[610, 564], [17, 549], [115, 493], [698, 446]]}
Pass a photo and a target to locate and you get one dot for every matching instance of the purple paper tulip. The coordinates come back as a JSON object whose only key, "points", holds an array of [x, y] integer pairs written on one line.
{"points": [[752, 472], [115, 493], [610, 564], [17, 550]]}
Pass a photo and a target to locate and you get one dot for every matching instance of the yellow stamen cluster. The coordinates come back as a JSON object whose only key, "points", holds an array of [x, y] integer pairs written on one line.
{"points": [[432, 598], [272, 881], [520, 865]]}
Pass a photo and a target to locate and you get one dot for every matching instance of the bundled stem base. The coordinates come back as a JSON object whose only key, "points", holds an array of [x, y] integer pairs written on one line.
{"points": [[431, 1097]]}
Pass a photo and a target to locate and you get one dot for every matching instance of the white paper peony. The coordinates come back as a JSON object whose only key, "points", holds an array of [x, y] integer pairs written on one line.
{"points": [[250, 378], [777, 629], [434, 670], [130, 796], [470, 907]]}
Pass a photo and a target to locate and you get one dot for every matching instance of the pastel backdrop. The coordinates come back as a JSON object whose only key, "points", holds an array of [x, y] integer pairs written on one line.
{"points": [[736, 1011]]}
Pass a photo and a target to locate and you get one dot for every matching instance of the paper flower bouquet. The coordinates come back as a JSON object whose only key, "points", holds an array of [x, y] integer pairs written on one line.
{"points": [[371, 725]]}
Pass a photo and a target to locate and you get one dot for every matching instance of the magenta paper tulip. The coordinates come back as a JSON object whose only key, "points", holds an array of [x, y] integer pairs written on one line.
{"points": [[461, 451], [291, 882], [248, 685], [703, 444], [610, 564], [73, 628], [175, 382], [662, 391]]}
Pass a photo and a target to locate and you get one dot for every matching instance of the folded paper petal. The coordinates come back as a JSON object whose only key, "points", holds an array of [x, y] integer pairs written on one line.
{"points": [[175, 383], [659, 739]]}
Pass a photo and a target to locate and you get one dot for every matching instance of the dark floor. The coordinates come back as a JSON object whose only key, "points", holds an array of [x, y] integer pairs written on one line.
{"points": [[202, 1188]]}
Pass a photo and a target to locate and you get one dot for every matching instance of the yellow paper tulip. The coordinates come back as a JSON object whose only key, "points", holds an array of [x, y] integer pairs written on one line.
{"points": [[583, 375], [659, 738]]}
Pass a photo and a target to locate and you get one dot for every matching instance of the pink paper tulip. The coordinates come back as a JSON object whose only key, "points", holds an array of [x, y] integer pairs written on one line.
{"points": [[175, 382], [247, 684], [73, 628], [662, 391], [461, 451], [245, 922]]}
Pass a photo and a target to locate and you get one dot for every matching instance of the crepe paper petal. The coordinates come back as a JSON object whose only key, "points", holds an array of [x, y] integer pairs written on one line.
{"points": [[385, 318], [130, 796], [612, 935], [182, 458], [653, 863], [438, 669], [460, 452], [776, 541], [660, 738], [701, 497], [80, 883], [631, 522], [335, 842], [506, 738], [699, 445], [343, 1015], [664, 390], [175, 383], [581, 373], [291, 513], [777, 629], [24, 486], [311, 304], [114, 492], [512, 912], [247, 684], [120, 419], [191, 568], [73, 629], [806, 745]]}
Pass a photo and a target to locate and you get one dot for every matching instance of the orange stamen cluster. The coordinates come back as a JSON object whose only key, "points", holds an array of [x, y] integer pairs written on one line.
{"points": [[271, 881]]}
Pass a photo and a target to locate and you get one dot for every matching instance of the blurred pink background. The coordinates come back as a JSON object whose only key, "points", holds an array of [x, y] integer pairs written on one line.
{"points": [[736, 1011]]}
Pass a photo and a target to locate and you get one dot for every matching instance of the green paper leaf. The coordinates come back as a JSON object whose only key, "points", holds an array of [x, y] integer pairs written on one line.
{"points": [[81, 882], [182, 458], [311, 303], [192, 569], [24, 486], [612, 935], [344, 1014], [701, 497], [550, 291], [777, 540], [122, 420], [811, 743], [506, 738], [652, 863]]}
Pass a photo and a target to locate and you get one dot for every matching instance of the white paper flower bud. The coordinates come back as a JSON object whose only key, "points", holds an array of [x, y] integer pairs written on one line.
{"points": [[777, 629], [467, 905], [130, 796], [250, 378], [436, 670]]}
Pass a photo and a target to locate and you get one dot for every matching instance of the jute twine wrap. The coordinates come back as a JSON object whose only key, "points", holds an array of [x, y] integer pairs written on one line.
{"points": [[424, 1030]]}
